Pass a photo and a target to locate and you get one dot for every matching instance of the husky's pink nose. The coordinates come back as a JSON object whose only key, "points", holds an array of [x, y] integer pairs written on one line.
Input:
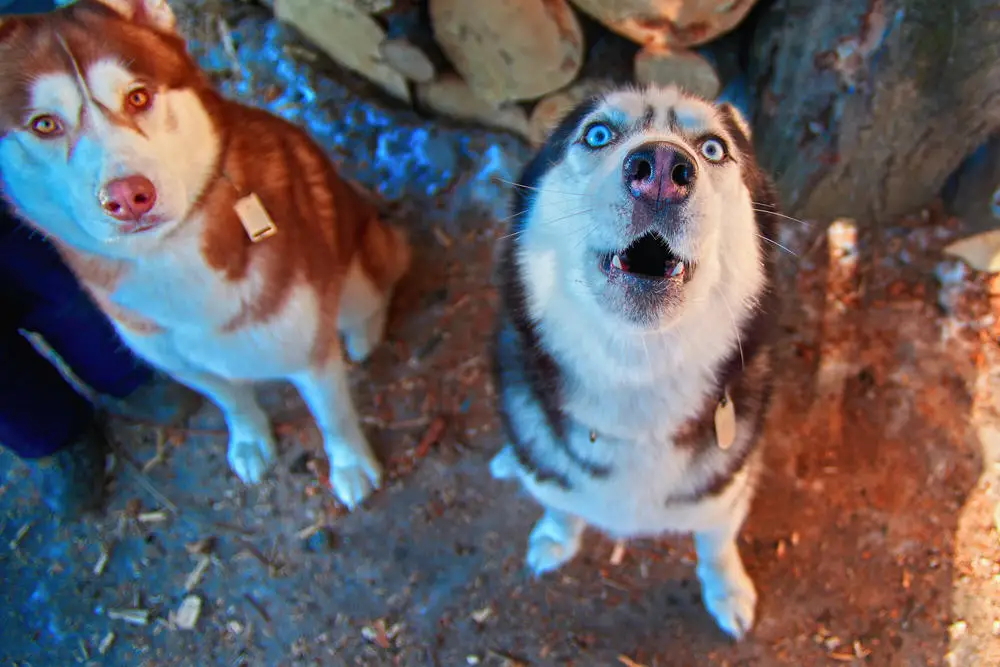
{"points": [[128, 199], [659, 173]]}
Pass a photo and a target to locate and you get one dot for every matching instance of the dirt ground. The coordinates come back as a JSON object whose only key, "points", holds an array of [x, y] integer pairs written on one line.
{"points": [[872, 540]]}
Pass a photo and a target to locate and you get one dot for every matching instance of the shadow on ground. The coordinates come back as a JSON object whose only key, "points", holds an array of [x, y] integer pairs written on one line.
{"points": [[859, 543]]}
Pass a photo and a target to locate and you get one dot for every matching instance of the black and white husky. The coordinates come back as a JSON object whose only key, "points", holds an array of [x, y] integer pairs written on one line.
{"points": [[633, 338]]}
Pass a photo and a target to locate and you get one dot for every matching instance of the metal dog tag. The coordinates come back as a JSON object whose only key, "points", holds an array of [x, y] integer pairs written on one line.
{"points": [[725, 422], [254, 217]]}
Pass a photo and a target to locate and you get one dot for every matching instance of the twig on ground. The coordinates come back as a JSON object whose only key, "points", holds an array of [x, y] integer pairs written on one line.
{"points": [[145, 481]]}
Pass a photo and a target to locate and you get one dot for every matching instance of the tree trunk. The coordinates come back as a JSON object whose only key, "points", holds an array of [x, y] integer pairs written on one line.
{"points": [[865, 107]]}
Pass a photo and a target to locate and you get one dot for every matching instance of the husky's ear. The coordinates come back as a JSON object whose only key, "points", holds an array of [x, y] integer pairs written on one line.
{"points": [[734, 120], [155, 14]]}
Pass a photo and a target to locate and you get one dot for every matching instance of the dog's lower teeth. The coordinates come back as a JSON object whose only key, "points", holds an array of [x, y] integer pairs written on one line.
{"points": [[616, 262], [678, 270]]}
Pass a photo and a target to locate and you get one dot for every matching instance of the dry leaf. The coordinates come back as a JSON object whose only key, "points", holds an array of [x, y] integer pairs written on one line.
{"points": [[188, 613], [980, 251], [480, 616]]}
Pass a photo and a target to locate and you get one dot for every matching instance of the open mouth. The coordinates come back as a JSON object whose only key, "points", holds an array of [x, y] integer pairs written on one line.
{"points": [[648, 257]]}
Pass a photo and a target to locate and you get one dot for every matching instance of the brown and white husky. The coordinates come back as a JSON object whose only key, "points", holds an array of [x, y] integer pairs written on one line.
{"points": [[218, 238]]}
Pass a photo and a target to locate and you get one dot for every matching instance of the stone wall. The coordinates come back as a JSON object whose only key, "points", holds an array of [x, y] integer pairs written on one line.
{"points": [[517, 65]]}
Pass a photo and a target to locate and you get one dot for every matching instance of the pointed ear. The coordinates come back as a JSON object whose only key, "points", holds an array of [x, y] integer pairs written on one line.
{"points": [[735, 121], [155, 14]]}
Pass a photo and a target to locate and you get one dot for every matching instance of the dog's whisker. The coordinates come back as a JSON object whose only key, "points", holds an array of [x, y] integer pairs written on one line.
{"points": [[519, 214], [775, 243], [565, 217], [540, 190], [804, 223], [732, 318]]}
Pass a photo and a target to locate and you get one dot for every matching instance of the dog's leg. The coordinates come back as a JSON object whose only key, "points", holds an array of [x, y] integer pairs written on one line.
{"points": [[364, 310], [554, 541], [727, 590], [504, 465], [251, 441], [354, 470]]}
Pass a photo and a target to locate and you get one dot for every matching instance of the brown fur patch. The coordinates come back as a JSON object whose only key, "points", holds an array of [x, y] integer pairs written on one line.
{"points": [[322, 222]]}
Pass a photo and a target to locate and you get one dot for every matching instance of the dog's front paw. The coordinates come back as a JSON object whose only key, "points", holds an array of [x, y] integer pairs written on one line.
{"points": [[730, 598], [354, 479], [359, 347], [554, 542], [250, 454]]}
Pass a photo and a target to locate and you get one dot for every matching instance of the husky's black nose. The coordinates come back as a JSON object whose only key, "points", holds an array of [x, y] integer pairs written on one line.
{"points": [[659, 173]]}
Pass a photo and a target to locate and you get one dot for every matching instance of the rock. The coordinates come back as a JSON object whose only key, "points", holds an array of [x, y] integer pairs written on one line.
{"points": [[347, 34], [411, 21], [980, 251], [451, 96], [369, 6], [550, 110], [676, 23], [510, 49], [375, 6], [686, 69], [407, 59]]}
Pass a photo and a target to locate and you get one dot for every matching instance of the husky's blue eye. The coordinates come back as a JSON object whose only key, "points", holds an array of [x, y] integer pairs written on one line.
{"points": [[598, 135]]}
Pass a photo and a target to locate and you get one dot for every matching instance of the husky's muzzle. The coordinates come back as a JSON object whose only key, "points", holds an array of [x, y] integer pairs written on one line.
{"points": [[646, 276]]}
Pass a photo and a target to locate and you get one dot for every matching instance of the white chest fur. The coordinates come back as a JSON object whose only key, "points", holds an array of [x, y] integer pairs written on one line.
{"points": [[192, 302]]}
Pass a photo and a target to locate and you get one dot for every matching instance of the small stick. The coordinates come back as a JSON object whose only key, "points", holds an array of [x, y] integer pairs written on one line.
{"points": [[106, 643], [257, 606], [21, 532], [431, 436], [144, 481]]}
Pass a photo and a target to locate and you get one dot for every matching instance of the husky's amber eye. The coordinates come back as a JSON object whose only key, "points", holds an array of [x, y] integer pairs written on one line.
{"points": [[46, 126], [138, 99]]}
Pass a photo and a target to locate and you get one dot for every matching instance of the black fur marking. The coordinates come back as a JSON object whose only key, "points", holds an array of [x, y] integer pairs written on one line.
{"points": [[520, 359], [745, 374], [673, 123], [523, 360], [647, 118]]}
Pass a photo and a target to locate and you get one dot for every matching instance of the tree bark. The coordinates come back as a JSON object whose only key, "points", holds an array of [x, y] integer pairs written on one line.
{"points": [[865, 107]]}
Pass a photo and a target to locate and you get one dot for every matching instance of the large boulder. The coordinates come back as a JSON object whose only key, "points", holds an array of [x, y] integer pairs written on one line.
{"points": [[510, 50], [675, 23], [348, 34]]}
